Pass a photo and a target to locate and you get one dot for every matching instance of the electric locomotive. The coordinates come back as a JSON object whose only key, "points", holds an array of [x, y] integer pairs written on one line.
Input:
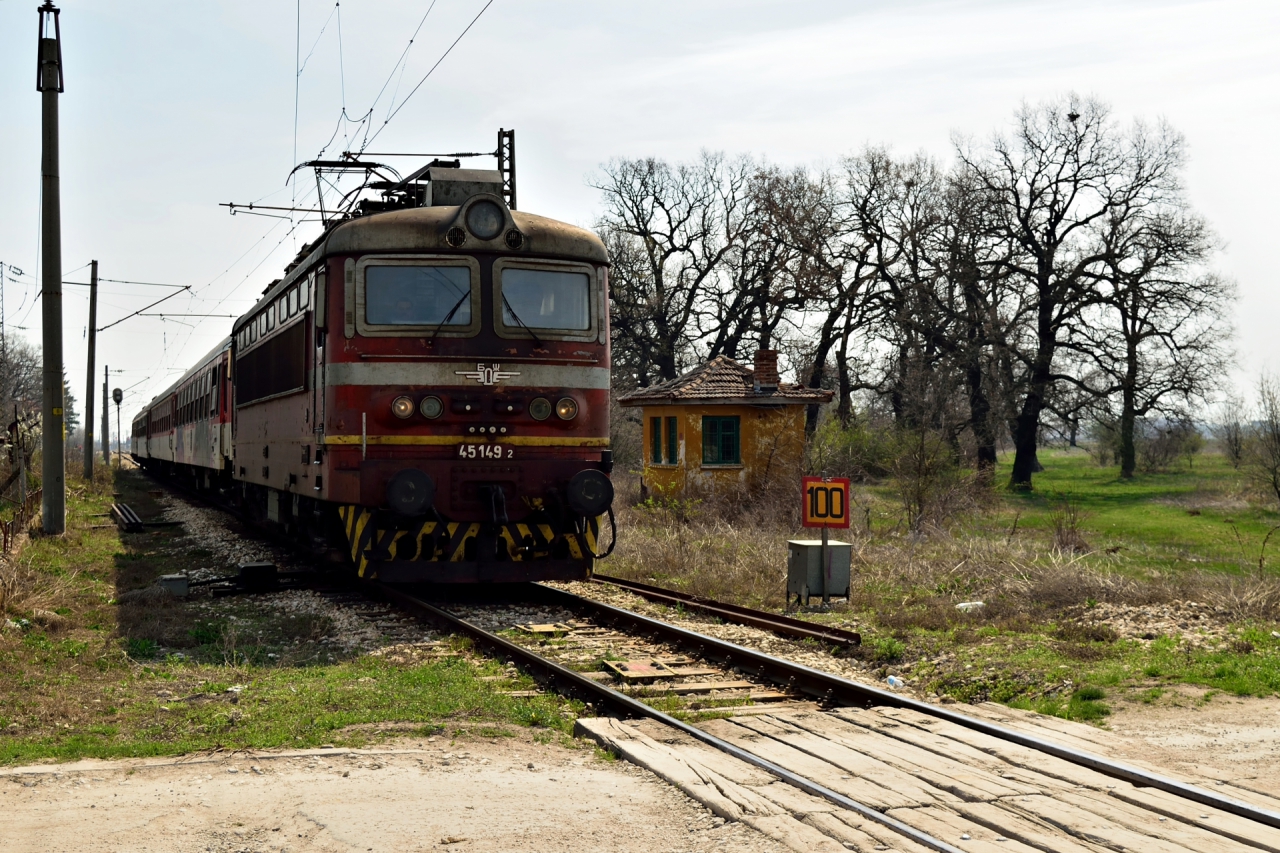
{"points": [[428, 384]]}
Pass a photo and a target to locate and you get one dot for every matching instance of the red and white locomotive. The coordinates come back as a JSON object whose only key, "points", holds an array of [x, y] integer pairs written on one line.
{"points": [[429, 383]]}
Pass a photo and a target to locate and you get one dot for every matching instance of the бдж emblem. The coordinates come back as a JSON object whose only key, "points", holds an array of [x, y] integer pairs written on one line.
{"points": [[487, 375]]}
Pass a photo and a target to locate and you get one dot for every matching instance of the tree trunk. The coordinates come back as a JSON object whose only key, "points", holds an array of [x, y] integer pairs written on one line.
{"points": [[844, 396], [980, 420], [1128, 413]]}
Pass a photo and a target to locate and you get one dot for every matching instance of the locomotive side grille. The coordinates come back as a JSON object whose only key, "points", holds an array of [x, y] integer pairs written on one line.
{"points": [[276, 367]]}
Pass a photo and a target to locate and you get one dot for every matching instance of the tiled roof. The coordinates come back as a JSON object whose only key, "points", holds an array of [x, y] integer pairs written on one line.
{"points": [[721, 380]]}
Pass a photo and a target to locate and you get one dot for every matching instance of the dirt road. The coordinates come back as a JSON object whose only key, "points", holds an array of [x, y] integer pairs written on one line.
{"points": [[506, 794]]}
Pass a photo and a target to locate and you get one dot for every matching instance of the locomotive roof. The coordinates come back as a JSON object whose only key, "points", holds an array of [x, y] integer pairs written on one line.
{"points": [[423, 229], [195, 368]]}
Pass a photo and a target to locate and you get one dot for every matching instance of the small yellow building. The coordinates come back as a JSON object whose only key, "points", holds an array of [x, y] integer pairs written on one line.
{"points": [[723, 427]]}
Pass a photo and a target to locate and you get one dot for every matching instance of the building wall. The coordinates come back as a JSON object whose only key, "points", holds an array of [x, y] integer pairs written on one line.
{"points": [[772, 446]]}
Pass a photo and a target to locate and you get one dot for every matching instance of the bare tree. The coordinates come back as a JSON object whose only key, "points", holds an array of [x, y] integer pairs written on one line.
{"points": [[1231, 430], [1262, 455], [1065, 168], [670, 230]]}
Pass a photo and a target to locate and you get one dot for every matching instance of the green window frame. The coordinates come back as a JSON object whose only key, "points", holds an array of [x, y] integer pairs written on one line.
{"points": [[673, 445], [721, 440], [655, 441]]}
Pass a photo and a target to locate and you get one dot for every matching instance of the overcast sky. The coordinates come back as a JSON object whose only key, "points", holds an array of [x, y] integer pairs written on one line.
{"points": [[171, 108]]}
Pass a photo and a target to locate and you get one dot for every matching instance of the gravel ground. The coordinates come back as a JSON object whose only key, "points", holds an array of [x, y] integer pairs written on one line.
{"points": [[744, 635], [1191, 622], [354, 625], [508, 794]]}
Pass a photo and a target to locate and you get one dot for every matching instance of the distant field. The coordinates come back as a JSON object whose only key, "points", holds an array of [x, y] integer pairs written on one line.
{"points": [[1190, 517]]}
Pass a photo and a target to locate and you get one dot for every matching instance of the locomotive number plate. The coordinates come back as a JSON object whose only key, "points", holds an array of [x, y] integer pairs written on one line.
{"points": [[485, 451]]}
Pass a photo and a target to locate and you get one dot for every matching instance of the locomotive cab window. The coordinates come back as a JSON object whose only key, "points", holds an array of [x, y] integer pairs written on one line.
{"points": [[418, 296], [553, 300]]}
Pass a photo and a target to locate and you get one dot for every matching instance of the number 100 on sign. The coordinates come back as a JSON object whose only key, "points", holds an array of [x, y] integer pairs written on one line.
{"points": [[826, 501]]}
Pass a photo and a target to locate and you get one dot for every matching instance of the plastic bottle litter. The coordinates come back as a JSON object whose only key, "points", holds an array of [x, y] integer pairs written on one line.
{"points": [[967, 606], [895, 682]]}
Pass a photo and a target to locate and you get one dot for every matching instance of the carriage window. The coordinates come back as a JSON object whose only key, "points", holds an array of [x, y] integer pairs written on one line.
{"points": [[546, 299], [293, 301], [417, 295], [305, 290]]}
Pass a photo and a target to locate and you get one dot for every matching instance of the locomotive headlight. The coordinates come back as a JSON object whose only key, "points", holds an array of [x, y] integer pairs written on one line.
{"points": [[485, 220], [567, 408], [402, 407], [431, 407], [540, 409]]}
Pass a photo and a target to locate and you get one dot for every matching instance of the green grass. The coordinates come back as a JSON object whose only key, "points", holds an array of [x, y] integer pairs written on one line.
{"points": [[114, 675], [1186, 517]]}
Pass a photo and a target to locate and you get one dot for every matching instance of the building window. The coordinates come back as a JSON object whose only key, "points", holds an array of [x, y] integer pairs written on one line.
{"points": [[655, 440], [721, 441], [673, 448]]}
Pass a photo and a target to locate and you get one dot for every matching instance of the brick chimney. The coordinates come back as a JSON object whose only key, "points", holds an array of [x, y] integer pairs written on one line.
{"points": [[765, 371]]}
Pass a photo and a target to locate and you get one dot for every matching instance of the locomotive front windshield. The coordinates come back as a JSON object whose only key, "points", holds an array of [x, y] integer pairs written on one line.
{"points": [[546, 299], [418, 295]]}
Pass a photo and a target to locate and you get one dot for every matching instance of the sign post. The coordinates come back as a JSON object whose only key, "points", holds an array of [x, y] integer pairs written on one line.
{"points": [[826, 505], [117, 397]]}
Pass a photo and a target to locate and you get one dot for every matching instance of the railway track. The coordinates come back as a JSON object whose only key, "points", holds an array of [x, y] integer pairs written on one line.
{"points": [[868, 769], [880, 771]]}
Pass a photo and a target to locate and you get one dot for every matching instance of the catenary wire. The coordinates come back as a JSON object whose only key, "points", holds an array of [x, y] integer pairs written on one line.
{"points": [[448, 50]]}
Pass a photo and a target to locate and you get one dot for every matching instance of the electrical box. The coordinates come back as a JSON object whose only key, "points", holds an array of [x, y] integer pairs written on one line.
{"points": [[805, 570]]}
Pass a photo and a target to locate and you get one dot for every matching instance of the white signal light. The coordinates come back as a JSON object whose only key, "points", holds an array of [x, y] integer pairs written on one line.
{"points": [[402, 407]]}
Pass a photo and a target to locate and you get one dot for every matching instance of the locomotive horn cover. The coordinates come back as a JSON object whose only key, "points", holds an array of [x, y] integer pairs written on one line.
{"points": [[590, 493], [410, 492]]}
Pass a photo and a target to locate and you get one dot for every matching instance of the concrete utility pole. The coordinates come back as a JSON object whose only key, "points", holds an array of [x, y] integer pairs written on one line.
{"points": [[88, 383], [49, 82], [106, 417]]}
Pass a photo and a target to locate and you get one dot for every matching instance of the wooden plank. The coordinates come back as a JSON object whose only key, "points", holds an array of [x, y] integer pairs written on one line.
{"points": [[1089, 826], [696, 687], [551, 628], [862, 834], [640, 670], [1066, 732], [940, 771], [769, 696], [938, 744], [771, 708], [1169, 805], [963, 833], [857, 776], [1015, 754], [728, 799], [1197, 829], [684, 767], [1029, 831]]}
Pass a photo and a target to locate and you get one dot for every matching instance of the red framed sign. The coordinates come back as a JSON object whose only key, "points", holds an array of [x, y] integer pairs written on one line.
{"points": [[826, 501]]}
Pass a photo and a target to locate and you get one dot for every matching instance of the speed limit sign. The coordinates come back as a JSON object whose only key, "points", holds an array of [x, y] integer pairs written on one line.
{"points": [[826, 501]]}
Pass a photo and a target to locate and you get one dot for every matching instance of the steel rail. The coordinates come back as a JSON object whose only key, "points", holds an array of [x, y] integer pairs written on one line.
{"points": [[832, 688], [783, 625], [564, 679]]}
